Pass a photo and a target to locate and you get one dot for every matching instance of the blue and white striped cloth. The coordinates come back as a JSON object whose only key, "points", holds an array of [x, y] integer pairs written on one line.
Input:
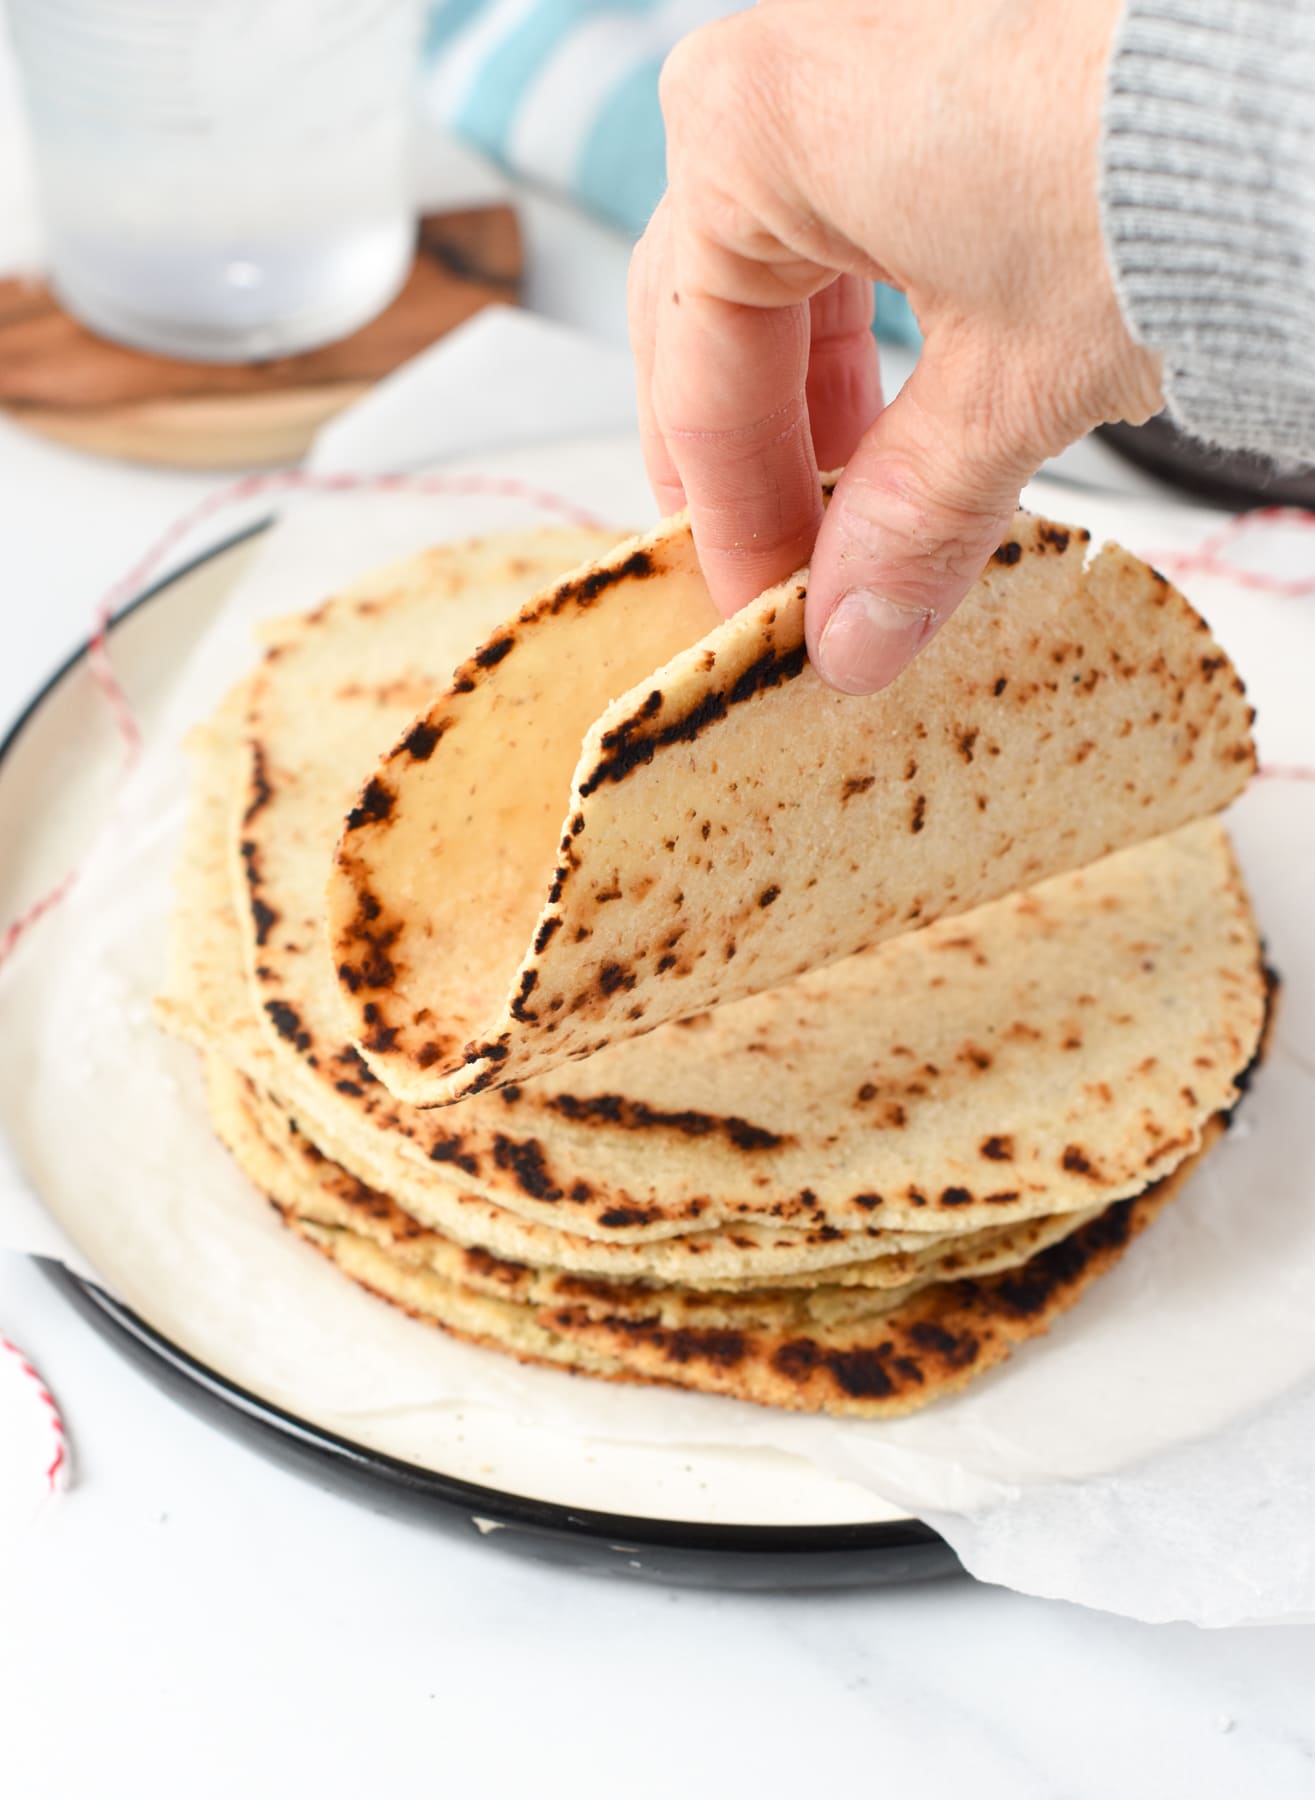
{"points": [[565, 92]]}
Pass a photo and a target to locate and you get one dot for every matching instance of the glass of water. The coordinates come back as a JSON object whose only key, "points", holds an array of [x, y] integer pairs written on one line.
{"points": [[222, 180]]}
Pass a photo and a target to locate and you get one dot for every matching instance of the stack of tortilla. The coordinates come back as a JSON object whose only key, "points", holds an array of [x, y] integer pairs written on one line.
{"points": [[731, 1033]]}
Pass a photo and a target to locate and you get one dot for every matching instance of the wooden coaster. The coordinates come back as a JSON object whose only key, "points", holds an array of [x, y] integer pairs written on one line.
{"points": [[61, 380]]}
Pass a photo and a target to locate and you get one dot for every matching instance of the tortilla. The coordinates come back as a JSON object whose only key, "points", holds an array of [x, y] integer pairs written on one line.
{"points": [[357, 1205], [1055, 1051], [731, 823], [866, 1356]]}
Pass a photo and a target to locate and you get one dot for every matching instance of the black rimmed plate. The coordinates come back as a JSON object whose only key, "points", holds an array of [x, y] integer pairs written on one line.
{"points": [[743, 1519]]}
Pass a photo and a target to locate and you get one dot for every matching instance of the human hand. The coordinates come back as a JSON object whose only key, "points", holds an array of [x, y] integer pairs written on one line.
{"points": [[948, 147]]}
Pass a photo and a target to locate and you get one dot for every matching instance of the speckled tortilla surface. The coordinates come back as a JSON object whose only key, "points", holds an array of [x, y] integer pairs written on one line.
{"points": [[728, 822]]}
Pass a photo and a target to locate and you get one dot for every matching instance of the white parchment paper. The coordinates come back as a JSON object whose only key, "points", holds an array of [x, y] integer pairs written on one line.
{"points": [[1155, 1455]]}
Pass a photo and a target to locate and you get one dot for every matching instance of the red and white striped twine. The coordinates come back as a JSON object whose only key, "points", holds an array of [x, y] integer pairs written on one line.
{"points": [[58, 1467], [1210, 556], [251, 487]]}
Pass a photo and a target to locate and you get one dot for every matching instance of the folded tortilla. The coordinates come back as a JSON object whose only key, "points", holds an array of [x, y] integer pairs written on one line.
{"points": [[505, 900]]}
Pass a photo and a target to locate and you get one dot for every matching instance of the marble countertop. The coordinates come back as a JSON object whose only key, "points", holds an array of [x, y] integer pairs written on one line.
{"points": [[191, 1620]]}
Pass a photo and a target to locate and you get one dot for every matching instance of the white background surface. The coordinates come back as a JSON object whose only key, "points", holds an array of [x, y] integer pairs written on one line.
{"points": [[192, 1621]]}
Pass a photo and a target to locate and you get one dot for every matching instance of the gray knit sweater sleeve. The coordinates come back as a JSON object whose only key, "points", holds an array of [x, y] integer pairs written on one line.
{"points": [[1208, 205]]}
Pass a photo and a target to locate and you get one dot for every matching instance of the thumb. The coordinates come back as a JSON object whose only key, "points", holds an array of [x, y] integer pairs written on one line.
{"points": [[925, 499]]}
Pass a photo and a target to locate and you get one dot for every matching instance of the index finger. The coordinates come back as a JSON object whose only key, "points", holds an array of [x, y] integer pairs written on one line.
{"points": [[729, 391]]}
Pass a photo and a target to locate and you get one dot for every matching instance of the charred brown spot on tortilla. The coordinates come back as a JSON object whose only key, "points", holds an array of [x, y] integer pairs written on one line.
{"points": [[769, 894], [720, 1346], [372, 967], [264, 918], [626, 749], [544, 933], [524, 1160], [261, 791], [422, 740], [1008, 552], [482, 1262], [955, 1350], [617, 1218], [464, 684], [349, 1057], [966, 741], [1055, 537], [286, 1020], [380, 1038], [856, 784], [1029, 1290], [445, 1149], [585, 589], [429, 1053], [998, 1149], [1077, 1162], [529, 981], [956, 1196], [1001, 683], [351, 1088], [374, 806], [864, 1373], [1246, 1075], [635, 1115], [918, 817], [492, 653], [250, 853], [558, 883], [614, 978], [665, 962]]}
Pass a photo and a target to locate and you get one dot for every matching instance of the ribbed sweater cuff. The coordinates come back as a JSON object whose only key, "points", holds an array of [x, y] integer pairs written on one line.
{"points": [[1208, 207]]}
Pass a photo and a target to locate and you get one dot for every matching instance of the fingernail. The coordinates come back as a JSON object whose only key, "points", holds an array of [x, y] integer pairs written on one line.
{"points": [[868, 639]]}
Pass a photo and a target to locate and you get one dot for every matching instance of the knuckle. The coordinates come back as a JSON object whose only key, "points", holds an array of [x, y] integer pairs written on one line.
{"points": [[912, 520], [709, 72]]}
